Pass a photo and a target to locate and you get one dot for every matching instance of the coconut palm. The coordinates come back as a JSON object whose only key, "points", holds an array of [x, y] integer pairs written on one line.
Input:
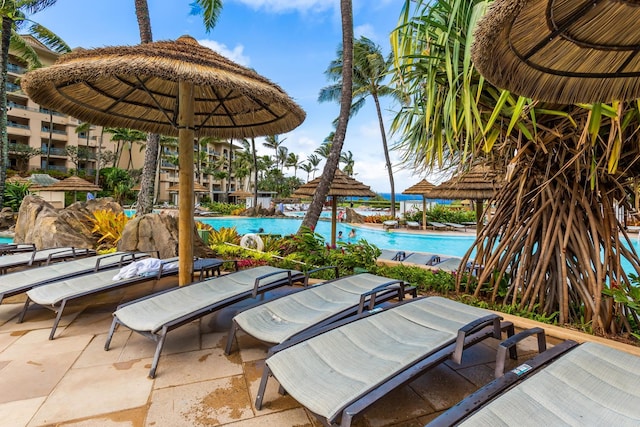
{"points": [[347, 159], [315, 209], [293, 161], [283, 153], [314, 161], [85, 128], [125, 137], [275, 143], [324, 150], [209, 10], [308, 168], [14, 19], [553, 243], [370, 70]]}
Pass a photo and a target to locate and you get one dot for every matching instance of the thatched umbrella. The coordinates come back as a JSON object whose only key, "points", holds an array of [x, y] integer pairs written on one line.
{"points": [[341, 186], [240, 194], [197, 188], [176, 88], [564, 51], [423, 188], [72, 183], [479, 184]]}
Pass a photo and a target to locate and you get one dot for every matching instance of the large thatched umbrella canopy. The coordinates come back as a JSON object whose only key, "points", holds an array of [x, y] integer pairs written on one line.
{"points": [[171, 88], [566, 51], [341, 186], [241, 194], [479, 183], [422, 188]]}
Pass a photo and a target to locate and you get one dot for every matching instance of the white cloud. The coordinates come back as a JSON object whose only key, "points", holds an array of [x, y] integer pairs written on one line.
{"points": [[280, 6], [235, 54], [366, 30]]}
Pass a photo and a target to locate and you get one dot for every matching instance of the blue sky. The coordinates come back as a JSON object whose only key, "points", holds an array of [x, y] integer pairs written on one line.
{"points": [[291, 42]]}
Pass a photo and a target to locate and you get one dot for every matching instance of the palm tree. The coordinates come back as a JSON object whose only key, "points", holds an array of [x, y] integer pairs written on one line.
{"points": [[293, 161], [553, 244], [281, 159], [347, 159], [370, 69], [325, 149], [308, 168], [86, 129], [210, 10], [314, 161], [14, 19], [124, 136], [315, 209], [274, 142]]}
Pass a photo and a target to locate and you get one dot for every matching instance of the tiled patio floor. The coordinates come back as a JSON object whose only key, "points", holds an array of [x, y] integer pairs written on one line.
{"points": [[72, 381]]}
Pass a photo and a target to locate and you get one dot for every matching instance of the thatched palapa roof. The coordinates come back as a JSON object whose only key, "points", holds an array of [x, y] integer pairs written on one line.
{"points": [[73, 183], [342, 186], [479, 183], [137, 87], [423, 188], [241, 194], [564, 51], [197, 188]]}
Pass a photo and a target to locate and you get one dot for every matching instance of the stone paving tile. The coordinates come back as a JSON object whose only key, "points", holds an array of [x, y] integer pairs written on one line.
{"points": [[129, 418], [442, 387], [33, 376], [95, 354], [18, 412], [272, 401], [291, 418], [8, 338], [196, 366], [9, 311], [387, 411], [38, 342], [207, 403], [38, 318], [98, 390], [92, 321]]}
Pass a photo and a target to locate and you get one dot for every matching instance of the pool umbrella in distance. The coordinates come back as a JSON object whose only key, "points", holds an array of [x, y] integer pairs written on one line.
{"points": [[341, 186], [563, 51], [75, 184], [479, 184], [197, 188], [423, 188], [175, 88]]}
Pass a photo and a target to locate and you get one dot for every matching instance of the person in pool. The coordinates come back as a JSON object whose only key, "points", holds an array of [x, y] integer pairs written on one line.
{"points": [[339, 235], [352, 233]]}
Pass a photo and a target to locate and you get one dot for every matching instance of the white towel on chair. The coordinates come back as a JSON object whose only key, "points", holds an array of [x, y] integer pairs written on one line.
{"points": [[139, 268]]}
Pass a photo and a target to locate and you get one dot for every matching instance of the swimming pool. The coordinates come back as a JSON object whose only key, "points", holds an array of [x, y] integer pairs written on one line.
{"points": [[396, 240], [6, 239]]}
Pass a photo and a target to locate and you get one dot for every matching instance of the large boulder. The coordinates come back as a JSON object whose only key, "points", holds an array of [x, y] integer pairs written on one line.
{"points": [[47, 227], [7, 219], [158, 232], [354, 217]]}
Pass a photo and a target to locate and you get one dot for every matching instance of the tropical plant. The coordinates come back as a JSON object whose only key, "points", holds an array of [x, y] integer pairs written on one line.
{"points": [[314, 161], [14, 192], [347, 159], [14, 20], [275, 143], [108, 226], [308, 168], [210, 11], [22, 153], [322, 190], [370, 70], [124, 138], [293, 161], [554, 230], [224, 235]]}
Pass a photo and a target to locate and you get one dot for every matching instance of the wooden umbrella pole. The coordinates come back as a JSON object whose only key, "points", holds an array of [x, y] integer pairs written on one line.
{"points": [[479, 213], [334, 215], [424, 212], [185, 193]]}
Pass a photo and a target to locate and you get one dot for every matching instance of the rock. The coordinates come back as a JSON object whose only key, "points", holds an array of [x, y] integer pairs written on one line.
{"points": [[47, 227], [354, 217], [7, 219], [158, 232]]}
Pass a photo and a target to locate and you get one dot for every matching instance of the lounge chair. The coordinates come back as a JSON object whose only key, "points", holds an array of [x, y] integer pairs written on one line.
{"points": [[449, 264], [21, 281], [386, 225], [278, 320], [569, 384], [41, 257], [415, 225], [392, 255], [15, 248], [422, 258], [438, 226], [154, 316], [456, 226], [341, 371], [56, 295]]}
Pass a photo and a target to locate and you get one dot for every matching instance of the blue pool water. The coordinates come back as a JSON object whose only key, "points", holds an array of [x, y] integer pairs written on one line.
{"points": [[6, 240], [397, 240]]}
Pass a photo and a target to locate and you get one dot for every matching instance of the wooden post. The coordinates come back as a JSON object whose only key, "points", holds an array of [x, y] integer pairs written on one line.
{"points": [[424, 212], [334, 211], [185, 193], [479, 213]]}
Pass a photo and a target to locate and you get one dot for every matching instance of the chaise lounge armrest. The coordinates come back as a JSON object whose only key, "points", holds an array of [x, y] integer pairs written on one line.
{"points": [[510, 345]]}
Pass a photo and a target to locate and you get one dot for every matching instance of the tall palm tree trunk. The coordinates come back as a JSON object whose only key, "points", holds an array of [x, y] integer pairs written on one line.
{"points": [[387, 159], [4, 140], [315, 209], [255, 175]]}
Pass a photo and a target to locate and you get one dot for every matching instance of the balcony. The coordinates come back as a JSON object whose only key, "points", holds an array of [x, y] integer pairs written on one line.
{"points": [[17, 125], [18, 148], [55, 113], [16, 69], [14, 88], [53, 151]]}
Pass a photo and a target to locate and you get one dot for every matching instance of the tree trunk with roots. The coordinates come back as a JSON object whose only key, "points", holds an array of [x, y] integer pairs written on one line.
{"points": [[554, 243]]}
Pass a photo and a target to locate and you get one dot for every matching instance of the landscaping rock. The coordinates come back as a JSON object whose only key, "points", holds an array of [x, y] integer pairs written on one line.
{"points": [[7, 219], [158, 232], [354, 217]]}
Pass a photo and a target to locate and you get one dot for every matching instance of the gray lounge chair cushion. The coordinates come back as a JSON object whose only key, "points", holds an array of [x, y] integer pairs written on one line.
{"points": [[591, 385], [54, 293], [24, 258], [151, 314], [450, 264], [35, 276], [277, 320], [391, 255], [422, 258], [331, 370]]}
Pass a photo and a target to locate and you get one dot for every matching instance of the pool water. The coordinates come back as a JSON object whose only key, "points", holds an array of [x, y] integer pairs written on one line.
{"points": [[6, 239], [396, 240]]}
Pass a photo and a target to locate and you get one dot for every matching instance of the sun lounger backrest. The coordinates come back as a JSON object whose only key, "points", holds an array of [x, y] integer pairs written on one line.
{"points": [[329, 371], [590, 385]]}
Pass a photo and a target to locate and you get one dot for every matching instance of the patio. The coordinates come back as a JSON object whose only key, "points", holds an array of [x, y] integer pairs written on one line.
{"points": [[72, 381]]}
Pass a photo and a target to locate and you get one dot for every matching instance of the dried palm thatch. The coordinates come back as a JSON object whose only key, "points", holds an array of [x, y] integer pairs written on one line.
{"points": [[341, 186], [564, 51], [137, 87], [73, 183], [479, 183], [241, 194], [423, 188]]}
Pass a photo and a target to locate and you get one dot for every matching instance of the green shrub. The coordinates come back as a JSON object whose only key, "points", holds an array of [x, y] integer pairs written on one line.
{"points": [[223, 208], [14, 192]]}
